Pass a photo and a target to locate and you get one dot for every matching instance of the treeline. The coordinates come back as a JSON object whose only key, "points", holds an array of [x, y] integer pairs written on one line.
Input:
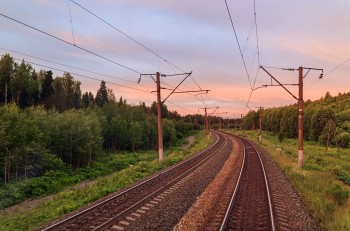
{"points": [[328, 115], [47, 124]]}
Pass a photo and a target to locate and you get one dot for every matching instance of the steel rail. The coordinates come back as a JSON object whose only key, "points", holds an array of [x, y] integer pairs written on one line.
{"points": [[112, 220], [267, 186], [230, 206], [90, 209]]}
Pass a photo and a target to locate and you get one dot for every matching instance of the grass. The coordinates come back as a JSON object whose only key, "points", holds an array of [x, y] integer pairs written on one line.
{"points": [[323, 182], [69, 200]]}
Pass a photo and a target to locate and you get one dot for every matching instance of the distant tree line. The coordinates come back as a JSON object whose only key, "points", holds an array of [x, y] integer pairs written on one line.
{"points": [[46, 123], [318, 117]]}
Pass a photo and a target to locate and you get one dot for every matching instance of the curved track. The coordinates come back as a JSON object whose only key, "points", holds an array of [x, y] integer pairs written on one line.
{"points": [[137, 199], [250, 207]]}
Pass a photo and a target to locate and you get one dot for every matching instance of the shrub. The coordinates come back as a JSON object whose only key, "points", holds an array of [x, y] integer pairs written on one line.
{"points": [[344, 139]]}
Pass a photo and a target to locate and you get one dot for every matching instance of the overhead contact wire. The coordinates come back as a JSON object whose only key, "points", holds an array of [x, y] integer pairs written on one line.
{"points": [[69, 43], [239, 46]]}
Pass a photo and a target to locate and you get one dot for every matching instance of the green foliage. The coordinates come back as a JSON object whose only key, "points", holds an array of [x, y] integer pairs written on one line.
{"points": [[344, 139], [135, 166], [317, 117]]}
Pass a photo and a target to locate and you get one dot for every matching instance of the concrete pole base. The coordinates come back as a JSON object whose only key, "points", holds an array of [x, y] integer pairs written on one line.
{"points": [[300, 158]]}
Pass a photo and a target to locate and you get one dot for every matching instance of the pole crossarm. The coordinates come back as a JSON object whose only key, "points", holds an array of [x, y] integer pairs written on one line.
{"points": [[202, 91], [311, 68], [216, 108], [188, 74], [279, 83], [206, 108], [151, 75]]}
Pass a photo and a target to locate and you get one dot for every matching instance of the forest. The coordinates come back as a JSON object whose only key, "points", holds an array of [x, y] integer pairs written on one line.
{"points": [[323, 118], [47, 124]]}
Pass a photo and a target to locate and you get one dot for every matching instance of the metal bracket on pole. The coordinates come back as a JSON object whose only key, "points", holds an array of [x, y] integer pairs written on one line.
{"points": [[279, 83]]}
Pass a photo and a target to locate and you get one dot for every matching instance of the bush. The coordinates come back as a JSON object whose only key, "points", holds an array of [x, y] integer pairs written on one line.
{"points": [[341, 174], [344, 139]]}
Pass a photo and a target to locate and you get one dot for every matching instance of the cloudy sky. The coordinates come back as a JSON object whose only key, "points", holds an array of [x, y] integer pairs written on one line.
{"points": [[183, 36]]}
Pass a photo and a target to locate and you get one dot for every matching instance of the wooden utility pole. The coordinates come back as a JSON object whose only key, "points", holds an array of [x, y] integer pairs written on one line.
{"points": [[260, 125], [228, 123], [160, 129], [300, 120]]}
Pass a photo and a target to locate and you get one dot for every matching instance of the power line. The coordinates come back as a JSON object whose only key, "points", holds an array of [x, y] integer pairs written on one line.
{"points": [[133, 39], [239, 46], [83, 76], [137, 42], [334, 69], [88, 51], [65, 65], [69, 43]]}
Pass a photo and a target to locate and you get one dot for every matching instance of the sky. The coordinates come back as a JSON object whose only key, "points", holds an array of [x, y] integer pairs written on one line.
{"points": [[176, 37]]}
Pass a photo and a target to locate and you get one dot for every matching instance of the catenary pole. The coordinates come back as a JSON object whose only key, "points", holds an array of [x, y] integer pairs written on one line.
{"points": [[300, 120], [260, 124], [160, 129], [241, 124]]}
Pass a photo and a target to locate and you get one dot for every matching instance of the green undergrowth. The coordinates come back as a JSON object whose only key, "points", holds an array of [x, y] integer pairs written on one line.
{"points": [[135, 166], [58, 180], [323, 182]]}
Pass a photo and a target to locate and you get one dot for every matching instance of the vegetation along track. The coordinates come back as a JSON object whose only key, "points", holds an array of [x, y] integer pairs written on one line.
{"points": [[125, 207], [250, 207]]}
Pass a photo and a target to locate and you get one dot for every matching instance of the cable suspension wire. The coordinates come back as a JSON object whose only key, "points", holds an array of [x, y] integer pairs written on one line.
{"points": [[239, 46], [71, 22], [69, 43], [250, 32], [256, 33]]}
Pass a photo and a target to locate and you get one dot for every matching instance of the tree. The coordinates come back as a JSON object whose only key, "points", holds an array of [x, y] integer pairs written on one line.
{"points": [[102, 95], [47, 90], [6, 70], [19, 82], [135, 135], [111, 96]]}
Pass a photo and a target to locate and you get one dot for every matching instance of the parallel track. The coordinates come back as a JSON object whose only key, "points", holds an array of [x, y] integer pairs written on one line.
{"points": [[250, 206], [105, 214]]}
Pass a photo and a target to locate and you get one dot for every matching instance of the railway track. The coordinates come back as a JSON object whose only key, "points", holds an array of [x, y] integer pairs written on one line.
{"points": [[121, 210], [250, 205]]}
